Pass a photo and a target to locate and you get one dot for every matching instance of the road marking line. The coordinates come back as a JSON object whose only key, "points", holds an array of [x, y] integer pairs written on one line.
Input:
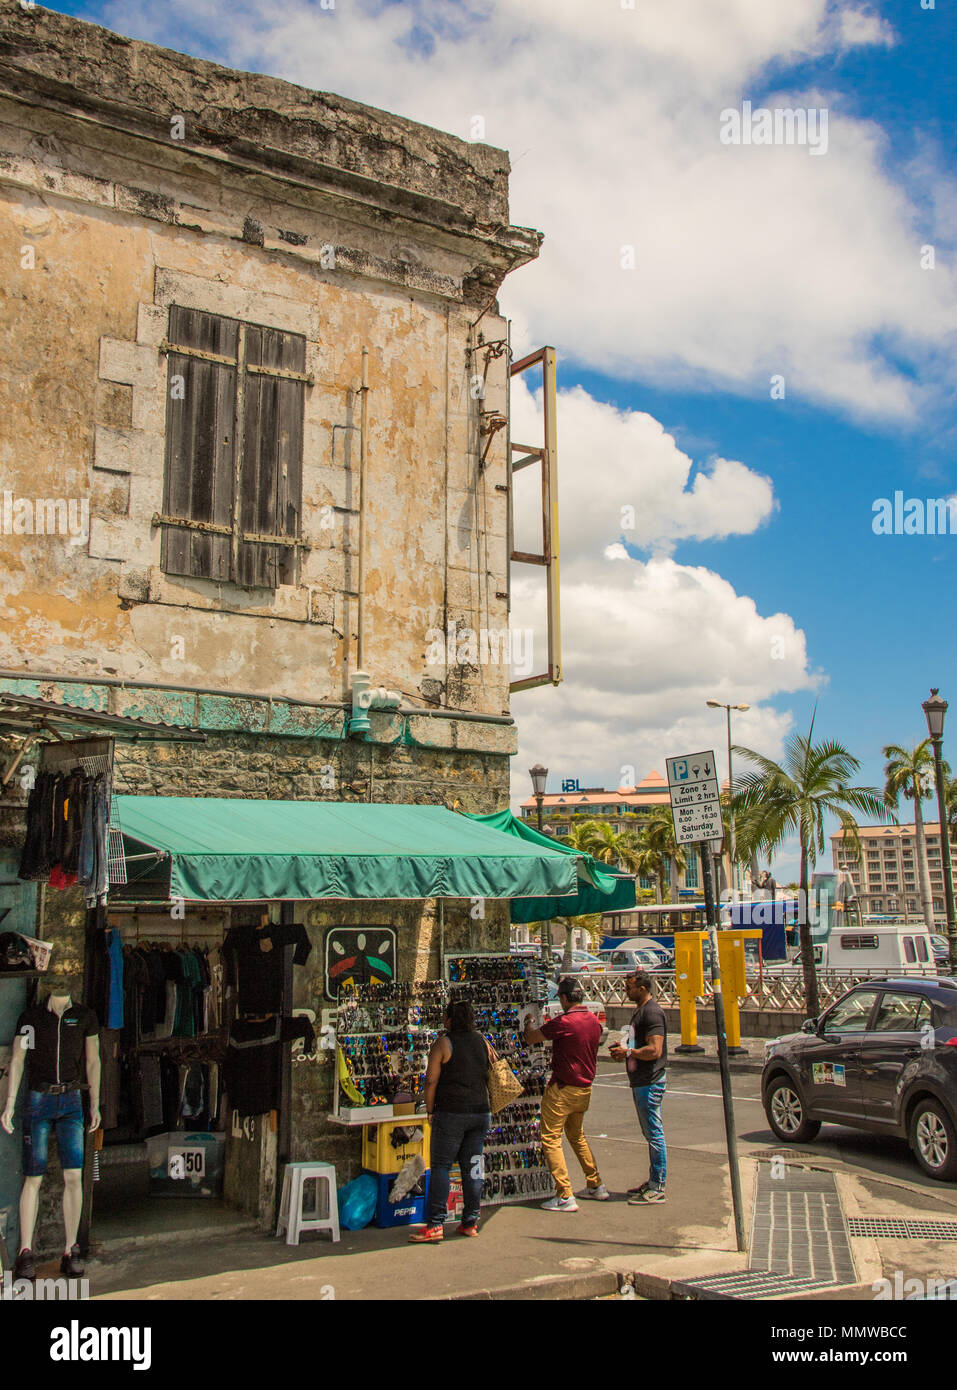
{"points": [[704, 1095]]}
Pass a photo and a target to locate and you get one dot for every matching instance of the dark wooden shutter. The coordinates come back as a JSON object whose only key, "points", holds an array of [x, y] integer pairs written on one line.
{"points": [[271, 492], [200, 446]]}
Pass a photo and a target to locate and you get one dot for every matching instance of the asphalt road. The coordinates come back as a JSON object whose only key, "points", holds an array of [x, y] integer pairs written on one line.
{"points": [[694, 1120]]}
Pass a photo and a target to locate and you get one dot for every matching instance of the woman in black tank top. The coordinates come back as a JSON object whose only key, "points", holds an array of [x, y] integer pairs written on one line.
{"points": [[457, 1103]]}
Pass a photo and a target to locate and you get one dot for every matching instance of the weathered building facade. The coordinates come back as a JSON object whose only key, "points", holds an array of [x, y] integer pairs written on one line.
{"points": [[203, 272]]}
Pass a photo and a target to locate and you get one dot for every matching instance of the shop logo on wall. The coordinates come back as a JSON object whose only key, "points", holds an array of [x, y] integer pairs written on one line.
{"points": [[358, 956]]}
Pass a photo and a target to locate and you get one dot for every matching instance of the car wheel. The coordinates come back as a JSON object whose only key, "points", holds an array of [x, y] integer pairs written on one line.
{"points": [[934, 1140], [784, 1107]]}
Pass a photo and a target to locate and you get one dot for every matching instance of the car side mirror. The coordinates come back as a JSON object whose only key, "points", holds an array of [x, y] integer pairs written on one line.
{"points": [[809, 1025]]}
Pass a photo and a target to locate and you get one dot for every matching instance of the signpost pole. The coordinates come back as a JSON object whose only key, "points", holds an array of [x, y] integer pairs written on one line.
{"points": [[723, 1062], [696, 811]]}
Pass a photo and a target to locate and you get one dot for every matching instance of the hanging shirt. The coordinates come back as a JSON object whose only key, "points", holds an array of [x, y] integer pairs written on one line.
{"points": [[252, 1072], [114, 1011], [256, 953]]}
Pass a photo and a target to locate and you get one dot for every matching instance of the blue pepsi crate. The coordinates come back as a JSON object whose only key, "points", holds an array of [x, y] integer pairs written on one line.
{"points": [[412, 1208]]}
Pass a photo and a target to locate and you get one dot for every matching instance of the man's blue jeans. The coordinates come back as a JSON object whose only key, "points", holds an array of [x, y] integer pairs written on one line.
{"points": [[648, 1104], [457, 1139]]}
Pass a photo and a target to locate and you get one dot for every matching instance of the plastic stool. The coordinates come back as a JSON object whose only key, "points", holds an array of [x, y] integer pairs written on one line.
{"points": [[291, 1219]]}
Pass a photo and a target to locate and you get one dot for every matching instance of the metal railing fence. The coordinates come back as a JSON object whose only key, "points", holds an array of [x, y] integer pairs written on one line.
{"points": [[783, 991]]}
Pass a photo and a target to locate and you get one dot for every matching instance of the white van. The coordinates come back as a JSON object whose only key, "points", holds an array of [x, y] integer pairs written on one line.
{"points": [[899, 950]]}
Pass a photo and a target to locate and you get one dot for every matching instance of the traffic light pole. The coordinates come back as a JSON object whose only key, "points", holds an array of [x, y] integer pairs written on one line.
{"points": [[723, 1062]]}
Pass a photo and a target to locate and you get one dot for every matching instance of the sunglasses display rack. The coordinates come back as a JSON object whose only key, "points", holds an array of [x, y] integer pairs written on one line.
{"points": [[383, 1037], [503, 990]]}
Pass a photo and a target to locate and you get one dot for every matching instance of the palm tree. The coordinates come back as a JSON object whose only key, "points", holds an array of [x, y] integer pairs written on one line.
{"points": [[651, 864], [794, 796], [604, 843], [910, 772], [658, 836]]}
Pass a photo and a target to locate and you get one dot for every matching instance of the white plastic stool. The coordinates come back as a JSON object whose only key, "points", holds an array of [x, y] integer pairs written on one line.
{"points": [[291, 1219]]}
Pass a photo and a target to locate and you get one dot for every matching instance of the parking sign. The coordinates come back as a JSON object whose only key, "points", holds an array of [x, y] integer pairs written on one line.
{"points": [[695, 798]]}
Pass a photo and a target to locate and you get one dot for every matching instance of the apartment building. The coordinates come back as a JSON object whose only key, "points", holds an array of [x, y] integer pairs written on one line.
{"points": [[886, 874]]}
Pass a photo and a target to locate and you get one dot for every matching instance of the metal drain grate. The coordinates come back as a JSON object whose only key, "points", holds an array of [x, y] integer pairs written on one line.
{"points": [[798, 1229], [901, 1228], [748, 1283]]}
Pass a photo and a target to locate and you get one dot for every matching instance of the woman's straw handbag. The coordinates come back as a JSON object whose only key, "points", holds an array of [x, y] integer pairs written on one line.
{"points": [[503, 1085]]}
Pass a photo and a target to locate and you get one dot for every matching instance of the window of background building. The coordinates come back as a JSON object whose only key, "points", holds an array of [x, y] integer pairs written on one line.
{"points": [[232, 496]]}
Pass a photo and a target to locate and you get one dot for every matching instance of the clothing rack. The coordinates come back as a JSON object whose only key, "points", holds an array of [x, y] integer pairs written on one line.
{"points": [[95, 757]]}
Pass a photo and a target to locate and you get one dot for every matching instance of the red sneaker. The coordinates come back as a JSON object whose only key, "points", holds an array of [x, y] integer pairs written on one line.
{"points": [[468, 1230], [429, 1235]]}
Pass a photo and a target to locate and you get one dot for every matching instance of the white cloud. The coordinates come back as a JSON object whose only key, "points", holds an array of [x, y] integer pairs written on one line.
{"points": [[863, 29], [645, 643], [623, 476], [750, 262]]}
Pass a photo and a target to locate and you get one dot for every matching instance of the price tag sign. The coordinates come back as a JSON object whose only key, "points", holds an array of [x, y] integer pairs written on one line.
{"points": [[187, 1163]]}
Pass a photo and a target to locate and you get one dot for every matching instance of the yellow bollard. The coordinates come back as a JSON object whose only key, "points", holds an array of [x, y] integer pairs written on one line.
{"points": [[734, 983], [689, 980]]}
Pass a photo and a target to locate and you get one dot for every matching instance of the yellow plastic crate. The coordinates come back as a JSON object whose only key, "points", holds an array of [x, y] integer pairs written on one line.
{"points": [[378, 1153]]}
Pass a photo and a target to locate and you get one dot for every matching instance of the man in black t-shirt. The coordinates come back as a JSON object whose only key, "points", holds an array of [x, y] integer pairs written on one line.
{"points": [[646, 1058]]}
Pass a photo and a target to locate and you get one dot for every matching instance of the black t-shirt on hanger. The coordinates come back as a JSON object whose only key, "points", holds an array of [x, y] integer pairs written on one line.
{"points": [[257, 955]]}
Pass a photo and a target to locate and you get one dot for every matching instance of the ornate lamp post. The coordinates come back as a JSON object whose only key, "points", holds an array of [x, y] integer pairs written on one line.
{"points": [[717, 704], [539, 776], [934, 710]]}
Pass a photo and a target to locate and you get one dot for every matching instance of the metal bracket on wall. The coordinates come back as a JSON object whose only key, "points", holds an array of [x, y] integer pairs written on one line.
{"points": [[546, 455]]}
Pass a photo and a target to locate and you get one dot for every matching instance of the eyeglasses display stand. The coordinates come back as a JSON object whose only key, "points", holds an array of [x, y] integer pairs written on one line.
{"points": [[383, 1036], [504, 990]]}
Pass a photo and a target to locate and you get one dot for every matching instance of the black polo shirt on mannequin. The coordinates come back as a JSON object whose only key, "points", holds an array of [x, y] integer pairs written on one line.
{"points": [[57, 1051]]}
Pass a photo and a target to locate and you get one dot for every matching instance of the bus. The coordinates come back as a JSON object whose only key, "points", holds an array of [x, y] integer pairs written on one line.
{"points": [[654, 919]]}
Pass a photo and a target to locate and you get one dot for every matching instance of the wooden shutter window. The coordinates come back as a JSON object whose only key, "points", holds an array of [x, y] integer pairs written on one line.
{"points": [[233, 450], [272, 456]]}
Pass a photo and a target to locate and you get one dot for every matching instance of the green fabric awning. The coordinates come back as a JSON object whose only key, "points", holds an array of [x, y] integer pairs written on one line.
{"points": [[238, 850], [599, 888]]}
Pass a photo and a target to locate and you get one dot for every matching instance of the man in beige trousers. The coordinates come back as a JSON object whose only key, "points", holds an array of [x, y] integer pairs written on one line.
{"points": [[574, 1037]]}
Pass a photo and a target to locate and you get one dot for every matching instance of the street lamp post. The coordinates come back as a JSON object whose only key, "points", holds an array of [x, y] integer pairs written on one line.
{"points": [[934, 710], [539, 776], [717, 704]]}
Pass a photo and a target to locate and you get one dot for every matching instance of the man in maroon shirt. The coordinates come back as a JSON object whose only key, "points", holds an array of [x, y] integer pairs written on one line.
{"points": [[574, 1037]]}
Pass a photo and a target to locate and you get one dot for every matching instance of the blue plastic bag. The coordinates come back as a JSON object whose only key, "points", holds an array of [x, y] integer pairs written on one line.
{"points": [[357, 1202]]}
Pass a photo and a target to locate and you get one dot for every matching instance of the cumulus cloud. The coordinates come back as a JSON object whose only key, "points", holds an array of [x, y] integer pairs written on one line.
{"points": [[626, 477], [667, 253], [645, 641], [645, 644]]}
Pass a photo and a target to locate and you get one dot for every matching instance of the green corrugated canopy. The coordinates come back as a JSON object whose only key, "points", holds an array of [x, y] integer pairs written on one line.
{"points": [[599, 888], [224, 849]]}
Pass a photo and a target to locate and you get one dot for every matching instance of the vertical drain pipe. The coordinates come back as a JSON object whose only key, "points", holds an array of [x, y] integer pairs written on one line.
{"points": [[363, 428]]}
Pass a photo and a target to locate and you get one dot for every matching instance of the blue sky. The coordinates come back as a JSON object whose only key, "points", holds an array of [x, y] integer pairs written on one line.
{"points": [[749, 263]]}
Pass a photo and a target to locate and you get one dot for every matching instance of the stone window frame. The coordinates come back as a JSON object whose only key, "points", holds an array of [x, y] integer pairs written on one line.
{"points": [[133, 457], [240, 483]]}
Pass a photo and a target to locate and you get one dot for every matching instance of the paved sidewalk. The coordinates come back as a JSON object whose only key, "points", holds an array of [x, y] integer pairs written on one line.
{"points": [[524, 1252], [520, 1247]]}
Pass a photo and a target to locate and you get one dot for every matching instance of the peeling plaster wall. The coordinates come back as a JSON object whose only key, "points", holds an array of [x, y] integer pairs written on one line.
{"points": [[106, 221], [305, 212]]}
